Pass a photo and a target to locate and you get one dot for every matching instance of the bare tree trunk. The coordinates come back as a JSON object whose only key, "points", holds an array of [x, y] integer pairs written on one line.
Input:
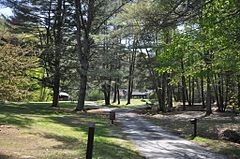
{"points": [[118, 95], [198, 90], [183, 87], [83, 27], [115, 92], [56, 85], [82, 92], [208, 98], [189, 94], [238, 89], [58, 52], [132, 61], [216, 88], [202, 93], [193, 91], [130, 88], [163, 93], [226, 93], [106, 87], [169, 94]]}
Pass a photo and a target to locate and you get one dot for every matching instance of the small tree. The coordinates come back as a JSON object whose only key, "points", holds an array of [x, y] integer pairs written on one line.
{"points": [[15, 62]]}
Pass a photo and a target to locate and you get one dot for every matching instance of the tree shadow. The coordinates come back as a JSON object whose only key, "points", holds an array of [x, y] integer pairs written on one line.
{"points": [[16, 120], [81, 123], [15, 114], [102, 147], [4, 156]]}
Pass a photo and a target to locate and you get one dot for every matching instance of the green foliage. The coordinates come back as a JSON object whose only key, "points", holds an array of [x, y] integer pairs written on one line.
{"points": [[94, 94], [15, 61]]}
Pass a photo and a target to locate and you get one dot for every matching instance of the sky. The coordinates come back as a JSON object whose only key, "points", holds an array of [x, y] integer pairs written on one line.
{"points": [[6, 11]]}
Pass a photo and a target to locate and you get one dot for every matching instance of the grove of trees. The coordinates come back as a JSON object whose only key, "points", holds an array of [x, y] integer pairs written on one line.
{"points": [[187, 51]]}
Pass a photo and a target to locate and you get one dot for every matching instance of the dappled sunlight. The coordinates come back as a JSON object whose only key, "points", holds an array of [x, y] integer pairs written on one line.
{"points": [[40, 133]]}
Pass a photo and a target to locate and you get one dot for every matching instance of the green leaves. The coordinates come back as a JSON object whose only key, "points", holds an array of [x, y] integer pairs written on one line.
{"points": [[15, 61]]}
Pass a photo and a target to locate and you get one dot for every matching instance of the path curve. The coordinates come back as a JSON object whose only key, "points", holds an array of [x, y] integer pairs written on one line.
{"points": [[155, 143]]}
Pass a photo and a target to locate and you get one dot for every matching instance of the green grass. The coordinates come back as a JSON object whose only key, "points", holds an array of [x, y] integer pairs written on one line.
{"points": [[134, 103], [34, 129], [224, 147]]}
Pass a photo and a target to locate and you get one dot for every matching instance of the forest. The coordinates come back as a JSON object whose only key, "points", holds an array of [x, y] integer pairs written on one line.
{"points": [[185, 51], [170, 64]]}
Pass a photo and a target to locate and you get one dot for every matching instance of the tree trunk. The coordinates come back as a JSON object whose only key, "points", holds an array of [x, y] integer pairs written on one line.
{"points": [[202, 93], [130, 76], [183, 87], [163, 93], [208, 98], [130, 88], [169, 94], [238, 88], [106, 87], [226, 93], [58, 52], [82, 92], [216, 88], [115, 92], [189, 94], [56, 85], [220, 94], [118, 96], [193, 91], [83, 29]]}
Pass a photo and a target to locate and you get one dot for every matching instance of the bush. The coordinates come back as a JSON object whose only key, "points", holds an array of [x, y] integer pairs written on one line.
{"points": [[94, 95]]}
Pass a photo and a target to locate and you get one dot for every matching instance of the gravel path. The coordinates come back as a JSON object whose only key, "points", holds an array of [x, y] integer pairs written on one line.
{"points": [[155, 143], [152, 142]]}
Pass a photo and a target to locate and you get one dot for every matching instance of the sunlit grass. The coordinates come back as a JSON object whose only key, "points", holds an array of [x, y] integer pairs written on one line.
{"points": [[224, 147], [37, 130]]}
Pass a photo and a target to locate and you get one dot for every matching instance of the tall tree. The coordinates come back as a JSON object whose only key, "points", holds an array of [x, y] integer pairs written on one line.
{"points": [[90, 17]]}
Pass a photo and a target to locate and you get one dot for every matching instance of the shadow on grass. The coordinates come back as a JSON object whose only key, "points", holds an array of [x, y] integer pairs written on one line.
{"points": [[232, 152], [3, 156], [80, 123], [29, 108], [109, 151], [102, 148], [17, 114], [15, 120]]}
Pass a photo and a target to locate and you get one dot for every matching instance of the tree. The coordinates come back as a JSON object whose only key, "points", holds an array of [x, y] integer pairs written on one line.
{"points": [[46, 20], [90, 16], [15, 64]]}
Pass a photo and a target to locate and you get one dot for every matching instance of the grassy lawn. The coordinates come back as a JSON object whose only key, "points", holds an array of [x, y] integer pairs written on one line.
{"points": [[208, 129], [134, 103], [35, 131]]}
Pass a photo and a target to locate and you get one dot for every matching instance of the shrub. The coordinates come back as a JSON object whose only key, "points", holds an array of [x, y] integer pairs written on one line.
{"points": [[94, 95]]}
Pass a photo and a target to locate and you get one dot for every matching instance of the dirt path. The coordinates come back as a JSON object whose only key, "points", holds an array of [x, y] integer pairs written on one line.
{"points": [[153, 142], [156, 143]]}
